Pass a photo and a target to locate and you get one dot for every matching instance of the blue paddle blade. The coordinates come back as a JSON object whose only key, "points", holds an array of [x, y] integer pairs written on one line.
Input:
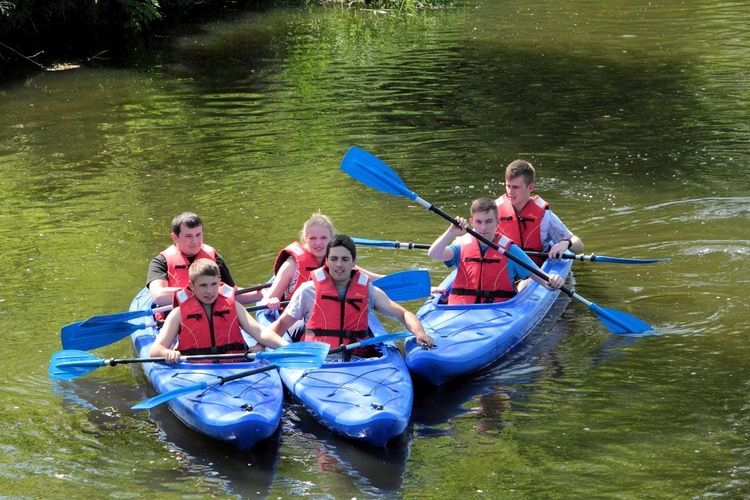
{"points": [[75, 336], [624, 260], [620, 322], [374, 243], [105, 319], [301, 355], [147, 404], [70, 364], [405, 285], [372, 171]]}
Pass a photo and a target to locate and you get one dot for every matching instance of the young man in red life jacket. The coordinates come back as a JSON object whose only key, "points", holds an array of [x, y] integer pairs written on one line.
{"points": [[484, 274], [335, 302], [168, 271], [527, 220], [207, 319]]}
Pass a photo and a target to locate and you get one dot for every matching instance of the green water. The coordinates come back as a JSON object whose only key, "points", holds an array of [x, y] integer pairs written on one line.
{"points": [[635, 116]]}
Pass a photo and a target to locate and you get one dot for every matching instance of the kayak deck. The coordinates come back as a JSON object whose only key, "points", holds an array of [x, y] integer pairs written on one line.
{"points": [[241, 412], [367, 400], [471, 337]]}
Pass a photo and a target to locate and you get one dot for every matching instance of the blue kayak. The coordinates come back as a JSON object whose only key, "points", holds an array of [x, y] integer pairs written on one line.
{"points": [[471, 337], [241, 412], [367, 400]]}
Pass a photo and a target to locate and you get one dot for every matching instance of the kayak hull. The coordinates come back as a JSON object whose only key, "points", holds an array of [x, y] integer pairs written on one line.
{"points": [[366, 400], [242, 412], [471, 337]]}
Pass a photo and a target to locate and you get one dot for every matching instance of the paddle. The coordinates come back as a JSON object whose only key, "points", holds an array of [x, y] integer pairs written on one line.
{"points": [[405, 285], [322, 351], [370, 341], [373, 172], [581, 257], [70, 364], [85, 338], [126, 316]]}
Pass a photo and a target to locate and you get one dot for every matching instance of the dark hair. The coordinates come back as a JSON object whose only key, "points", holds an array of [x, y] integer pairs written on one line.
{"points": [[203, 267], [521, 168], [342, 240], [483, 205], [188, 218]]}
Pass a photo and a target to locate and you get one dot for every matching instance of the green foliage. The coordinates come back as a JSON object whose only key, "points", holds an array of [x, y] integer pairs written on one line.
{"points": [[140, 13]]}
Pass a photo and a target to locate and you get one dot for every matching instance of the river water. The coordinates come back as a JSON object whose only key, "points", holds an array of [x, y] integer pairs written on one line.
{"points": [[635, 115]]}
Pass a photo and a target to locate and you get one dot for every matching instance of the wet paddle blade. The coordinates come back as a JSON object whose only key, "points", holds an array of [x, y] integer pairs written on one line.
{"points": [[70, 364], [620, 322], [302, 355], [405, 285], [372, 171], [74, 336]]}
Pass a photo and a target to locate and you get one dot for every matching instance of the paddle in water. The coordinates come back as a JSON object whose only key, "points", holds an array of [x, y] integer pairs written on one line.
{"points": [[580, 257], [70, 363], [280, 362], [373, 172]]}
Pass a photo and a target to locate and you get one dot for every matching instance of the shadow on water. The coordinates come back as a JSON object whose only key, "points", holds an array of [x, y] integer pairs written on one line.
{"points": [[219, 465], [372, 469]]}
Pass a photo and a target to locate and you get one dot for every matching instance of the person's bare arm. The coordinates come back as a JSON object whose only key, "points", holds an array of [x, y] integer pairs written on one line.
{"points": [[263, 335], [395, 311], [162, 346]]}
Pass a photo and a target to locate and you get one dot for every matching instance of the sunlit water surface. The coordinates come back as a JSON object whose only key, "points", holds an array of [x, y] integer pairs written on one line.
{"points": [[636, 118]]}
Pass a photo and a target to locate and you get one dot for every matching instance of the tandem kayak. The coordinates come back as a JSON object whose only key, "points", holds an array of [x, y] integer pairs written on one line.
{"points": [[241, 412], [471, 337], [367, 400]]}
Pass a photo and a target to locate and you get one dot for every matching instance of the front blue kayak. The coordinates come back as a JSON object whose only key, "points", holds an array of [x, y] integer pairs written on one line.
{"points": [[471, 337], [241, 412], [367, 400]]}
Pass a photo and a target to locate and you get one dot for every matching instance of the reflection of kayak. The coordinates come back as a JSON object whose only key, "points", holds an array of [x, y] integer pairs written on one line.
{"points": [[367, 400], [241, 412], [471, 337]]}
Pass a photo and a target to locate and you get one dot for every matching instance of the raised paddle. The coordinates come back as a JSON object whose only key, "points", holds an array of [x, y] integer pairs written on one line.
{"points": [[70, 364], [85, 338], [126, 316], [581, 257], [373, 172], [147, 404]]}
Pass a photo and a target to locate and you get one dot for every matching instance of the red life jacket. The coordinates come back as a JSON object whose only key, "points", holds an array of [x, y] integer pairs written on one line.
{"points": [[334, 320], [480, 278], [218, 334], [305, 261], [525, 228], [178, 264]]}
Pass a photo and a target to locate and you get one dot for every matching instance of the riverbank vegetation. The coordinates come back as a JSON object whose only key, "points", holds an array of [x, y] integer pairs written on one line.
{"points": [[45, 32]]}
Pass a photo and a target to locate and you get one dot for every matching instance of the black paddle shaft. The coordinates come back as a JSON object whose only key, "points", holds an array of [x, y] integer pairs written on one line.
{"points": [[494, 245]]}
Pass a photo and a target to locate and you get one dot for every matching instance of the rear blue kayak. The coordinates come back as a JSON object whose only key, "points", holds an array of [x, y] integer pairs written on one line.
{"points": [[367, 400], [241, 412], [471, 337]]}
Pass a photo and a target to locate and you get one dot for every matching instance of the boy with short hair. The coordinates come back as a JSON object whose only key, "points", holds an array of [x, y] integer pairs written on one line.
{"points": [[207, 319]]}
